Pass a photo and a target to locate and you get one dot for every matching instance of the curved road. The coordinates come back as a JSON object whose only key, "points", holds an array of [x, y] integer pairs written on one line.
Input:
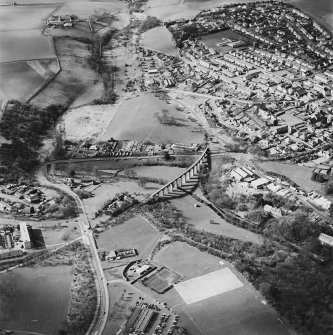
{"points": [[99, 322]]}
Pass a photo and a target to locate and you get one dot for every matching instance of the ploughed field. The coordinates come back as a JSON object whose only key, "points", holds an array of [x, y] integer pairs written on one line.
{"points": [[35, 299], [27, 58], [20, 79]]}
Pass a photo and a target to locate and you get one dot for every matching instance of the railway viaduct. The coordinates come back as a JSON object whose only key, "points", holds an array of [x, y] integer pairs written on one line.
{"points": [[184, 179]]}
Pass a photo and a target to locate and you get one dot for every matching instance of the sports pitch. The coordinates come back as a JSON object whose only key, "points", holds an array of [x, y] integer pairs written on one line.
{"points": [[161, 280], [207, 286]]}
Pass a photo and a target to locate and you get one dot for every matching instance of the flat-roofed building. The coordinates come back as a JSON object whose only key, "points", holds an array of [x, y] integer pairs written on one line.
{"points": [[326, 239], [25, 236], [259, 183]]}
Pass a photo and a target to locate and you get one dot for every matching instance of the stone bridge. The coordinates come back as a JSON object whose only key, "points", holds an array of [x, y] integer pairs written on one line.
{"points": [[187, 179]]}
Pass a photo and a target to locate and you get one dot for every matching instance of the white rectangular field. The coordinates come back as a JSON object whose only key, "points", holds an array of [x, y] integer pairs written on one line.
{"points": [[207, 286]]}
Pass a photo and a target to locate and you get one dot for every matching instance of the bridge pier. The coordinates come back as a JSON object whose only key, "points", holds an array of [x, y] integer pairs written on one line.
{"points": [[178, 182], [192, 173]]}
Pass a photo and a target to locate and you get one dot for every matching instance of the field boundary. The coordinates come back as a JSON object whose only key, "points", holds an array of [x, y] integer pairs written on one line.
{"points": [[51, 39]]}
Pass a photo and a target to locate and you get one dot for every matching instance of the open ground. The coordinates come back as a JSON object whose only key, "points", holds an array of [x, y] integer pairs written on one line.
{"points": [[87, 121]]}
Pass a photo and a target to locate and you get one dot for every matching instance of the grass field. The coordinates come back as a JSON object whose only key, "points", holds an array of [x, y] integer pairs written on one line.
{"points": [[106, 192], [137, 119], [186, 260], [160, 39], [236, 312], [234, 307], [24, 45], [39, 300], [75, 79], [171, 12], [212, 39], [86, 9], [166, 173], [135, 233], [199, 218], [20, 79], [20, 33], [301, 175]]}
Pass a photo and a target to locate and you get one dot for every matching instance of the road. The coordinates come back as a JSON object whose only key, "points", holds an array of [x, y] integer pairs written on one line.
{"points": [[99, 322]]}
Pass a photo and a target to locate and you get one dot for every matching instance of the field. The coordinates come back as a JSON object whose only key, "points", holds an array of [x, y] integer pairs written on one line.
{"points": [[160, 39], [87, 121], [106, 192], [20, 33], [24, 45], [186, 260], [301, 175], [221, 301], [138, 119], [161, 280], [75, 80], [20, 79], [199, 218], [41, 300], [86, 9], [166, 173], [212, 39], [320, 8], [135, 233]]}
